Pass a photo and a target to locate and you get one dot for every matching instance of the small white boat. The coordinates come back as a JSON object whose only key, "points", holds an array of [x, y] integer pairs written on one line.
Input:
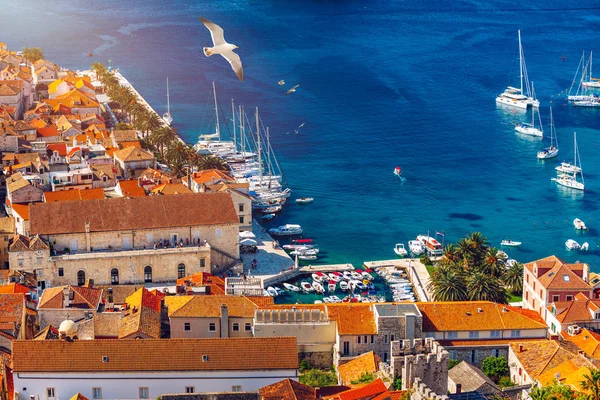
{"points": [[579, 224], [356, 275], [304, 200], [344, 286], [268, 216], [585, 246], [502, 255], [552, 151], [335, 299], [318, 287], [291, 287], [415, 247], [397, 171], [279, 290], [572, 245], [306, 287], [271, 210], [319, 276], [307, 257], [286, 230], [348, 275], [307, 252], [510, 243], [335, 276], [367, 275], [318, 302], [272, 292], [400, 250], [331, 286]]}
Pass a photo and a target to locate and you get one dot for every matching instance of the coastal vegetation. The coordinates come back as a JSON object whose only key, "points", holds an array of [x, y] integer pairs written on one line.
{"points": [[473, 270], [157, 137], [318, 378], [32, 54]]}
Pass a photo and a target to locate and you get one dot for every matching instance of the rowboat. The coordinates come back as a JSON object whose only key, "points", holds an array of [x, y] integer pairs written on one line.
{"points": [[318, 287], [291, 287], [331, 286], [306, 287], [319, 276], [335, 276]]}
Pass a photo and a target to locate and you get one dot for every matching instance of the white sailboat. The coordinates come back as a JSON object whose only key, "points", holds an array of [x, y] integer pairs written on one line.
{"points": [[592, 82], [570, 180], [167, 116], [530, 128], [551, 151], [521, 97]]}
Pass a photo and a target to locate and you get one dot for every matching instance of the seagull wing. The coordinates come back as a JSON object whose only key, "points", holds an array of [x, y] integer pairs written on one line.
{"points": [[216, 32], [236, 63]]}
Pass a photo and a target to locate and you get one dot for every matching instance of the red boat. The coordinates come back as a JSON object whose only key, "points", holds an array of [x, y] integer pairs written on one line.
{"points": [[397, 171], [302, 241]]}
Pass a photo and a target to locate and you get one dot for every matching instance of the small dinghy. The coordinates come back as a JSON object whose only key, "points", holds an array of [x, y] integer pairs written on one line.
{"points": [[331, 286], [268, 216], [572, 245], [304, 200], [306, 287], [318, 287], [272, 291], [319, 276], [291, 287], [579, 224], [344, 286], [335, 276], [400, 250], [510, 243], [397, 171]]}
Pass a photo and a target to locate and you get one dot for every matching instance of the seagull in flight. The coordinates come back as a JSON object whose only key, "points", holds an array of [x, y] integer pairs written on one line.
{"points": [[301, 125], [220, 46], [281, 82], [292, 90]]}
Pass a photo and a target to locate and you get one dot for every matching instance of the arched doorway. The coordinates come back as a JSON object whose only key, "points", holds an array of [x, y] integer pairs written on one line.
{"points": [[80, 278], [114, 276], [181, 271], [148, 274]]}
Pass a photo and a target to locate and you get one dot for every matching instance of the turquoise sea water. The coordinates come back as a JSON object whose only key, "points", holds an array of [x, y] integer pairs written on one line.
{"points": [[383, 83]]}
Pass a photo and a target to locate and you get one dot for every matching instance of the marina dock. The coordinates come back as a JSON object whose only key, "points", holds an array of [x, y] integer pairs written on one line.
{"points": [[417, 273], [270, 260]]}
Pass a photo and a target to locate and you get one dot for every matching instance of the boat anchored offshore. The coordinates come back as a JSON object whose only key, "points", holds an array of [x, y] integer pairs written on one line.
{"points": [[515, 97], [568, 180], [570, 244], [167, 116], [286, 230], [551, 151], [416, 248], [510, 243], [530, 128], [579, 224], [400, 250], [397, 171], [304, 200]]}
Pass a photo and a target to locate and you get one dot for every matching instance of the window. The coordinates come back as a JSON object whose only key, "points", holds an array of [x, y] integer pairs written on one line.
{"points": [[473, 356], [186, 326], [241, 207], [473, 334], [236, 388], [61, 272], [50, 393], [385, 356], [566, 278], [346, 350], [372, 338], [452, 335], [114, 276], [385, 339], [358, 339], [144, 393], [515, 333], [212, 327], [20, 262], [236, 327], [147, 274], [241, 219], [496, 334], [534, 286], [248, 327], [496, 353], [527, 278], [190, 389], [80, 278], [181, 271], [555, 298], [39, 260], [569, 298], [96, 393], [392, 337], [453, 354], [202, 263], [553, 327], [149, 238]]}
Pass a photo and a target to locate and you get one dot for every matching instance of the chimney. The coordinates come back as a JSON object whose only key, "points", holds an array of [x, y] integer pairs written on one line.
{"points": [[458, 388], [88, 237], [586, 273], [90, 283], [520, 347], [67, 296], [224, 321]]}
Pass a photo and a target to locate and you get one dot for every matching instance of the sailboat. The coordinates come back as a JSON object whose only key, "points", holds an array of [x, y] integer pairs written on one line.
{"points": [[167, 116], [551, 151], [592, 82], [580, 92], [570, 179], [531, 129], [515, 97]]}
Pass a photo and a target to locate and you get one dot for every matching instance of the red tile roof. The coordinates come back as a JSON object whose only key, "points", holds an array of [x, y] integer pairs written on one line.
{"points": [[287, 389], [61, 148], [12, 288], [131, 188], [83, 298], [74, 194], [371, 391]]}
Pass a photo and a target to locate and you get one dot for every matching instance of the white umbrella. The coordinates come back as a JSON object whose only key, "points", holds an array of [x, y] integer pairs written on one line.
{"points": [[248, 242], [247, 235]]}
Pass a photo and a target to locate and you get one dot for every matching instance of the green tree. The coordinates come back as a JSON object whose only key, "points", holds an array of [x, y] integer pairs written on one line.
{"points": [[317, 378], [161, 138], [123, 126], [495, 367], [452, 363], [178, 152], [484, 287], [448, 284], [505, 381], [100, 70], [493, 264], [212, 162], [366, 377], [552, 392], [591, 383], [304, 365], [513, 277], [398, 383], [32, 54]]}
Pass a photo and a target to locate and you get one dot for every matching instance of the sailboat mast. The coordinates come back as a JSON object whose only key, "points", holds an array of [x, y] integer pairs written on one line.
{"points": [[168, 100], [242, 129], [218, 130], [520, 61], [233, 121], [260, 169], [269, 156]]}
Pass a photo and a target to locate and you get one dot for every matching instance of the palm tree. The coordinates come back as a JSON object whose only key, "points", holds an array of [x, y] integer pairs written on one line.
{"points": [[99, 69], [32, 54], [149, 122], [591, 382], [447, 284], [513, 277], [481, 286], [493, 264], [161, 138], [136, 110], [178, 152], [451, 255], [212, 162]]}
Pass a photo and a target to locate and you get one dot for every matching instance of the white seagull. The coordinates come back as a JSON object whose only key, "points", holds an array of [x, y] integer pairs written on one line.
{"points": [[292, 90], [281, 82], [220, 46]]}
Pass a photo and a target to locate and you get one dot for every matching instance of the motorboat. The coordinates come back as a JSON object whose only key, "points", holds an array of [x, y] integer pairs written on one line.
{"points": [[585, 246], [344, 286], [579, 224], [331, 286], [291, 287], [335, 276], [306, 287], [286, 230], [307, 257], [415, 247], [348, 275], [304, 200], [319, 276], [397, 171], [356, 275], [552, 151], [431, 245], [570, 244], [268, 216], [305, 252], [271, 210], [502, 255], [300, 247], [367, 275], [568, 168], [272, 292], [318, 287], [569, 181], [521, 97], [510, 243], [400, 250]]}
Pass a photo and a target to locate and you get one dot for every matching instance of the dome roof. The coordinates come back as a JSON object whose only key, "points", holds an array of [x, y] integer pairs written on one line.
{"points": [[67, 327]]}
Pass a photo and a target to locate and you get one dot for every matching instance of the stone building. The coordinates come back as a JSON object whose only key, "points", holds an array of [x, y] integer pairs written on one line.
{"points": [[133, 161], [61, 303], [7, 231], [134, 240], [20, 191], [424, 359]]}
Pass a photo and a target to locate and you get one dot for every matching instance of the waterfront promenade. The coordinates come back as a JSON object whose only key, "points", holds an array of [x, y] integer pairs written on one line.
{"points": [[270, 260], [417, 273]]}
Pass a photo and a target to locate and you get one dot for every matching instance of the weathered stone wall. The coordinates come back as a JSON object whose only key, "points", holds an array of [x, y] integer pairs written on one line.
{"points": [[323, 359], [9, 143], [420, 391], [55, 317], [26, 194], [425, 359], [476, 354]]}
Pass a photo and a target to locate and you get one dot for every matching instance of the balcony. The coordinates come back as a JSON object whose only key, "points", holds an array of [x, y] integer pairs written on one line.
{"points": [[110, 253]]}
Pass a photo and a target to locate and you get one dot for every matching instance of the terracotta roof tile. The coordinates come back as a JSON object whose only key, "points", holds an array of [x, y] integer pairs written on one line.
{"points": [[83, 298], [22, 210], [209, 175], [261, 301], [355, 368], [12, 288], [74, 194], [134, 213], [540, 356], [287, 389], [155, 355], [61, 148], [587, 341], [129, 135], [569, 373], [210, 306], [170, 188], [577, 310], [78, 396], [367, 392], [131, 188], [132, 153]]}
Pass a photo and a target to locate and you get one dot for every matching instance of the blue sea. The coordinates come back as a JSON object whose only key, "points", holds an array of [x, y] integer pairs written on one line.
{"points": [[382, 84]]}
